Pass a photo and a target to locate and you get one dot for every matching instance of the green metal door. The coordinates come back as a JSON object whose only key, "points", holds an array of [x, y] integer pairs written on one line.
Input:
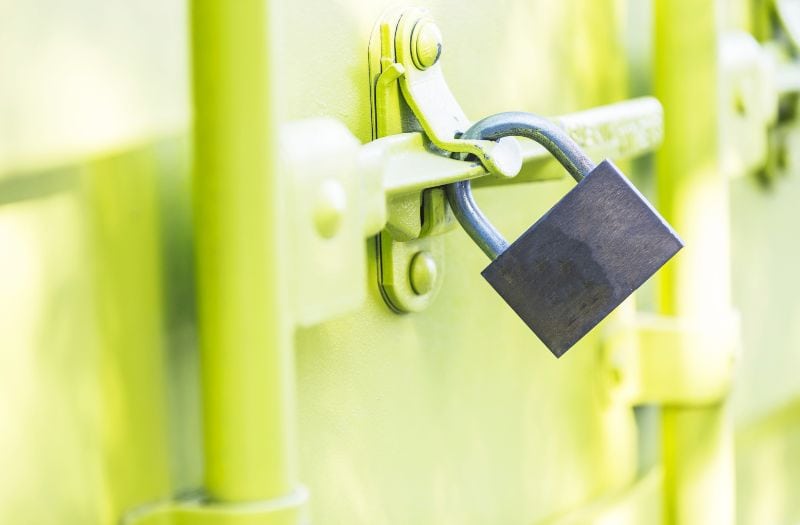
{"points": [[194, 328]]}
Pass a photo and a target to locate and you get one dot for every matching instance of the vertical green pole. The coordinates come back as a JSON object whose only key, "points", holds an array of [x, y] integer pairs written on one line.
{"points": [[693, 193], [245, 329]]}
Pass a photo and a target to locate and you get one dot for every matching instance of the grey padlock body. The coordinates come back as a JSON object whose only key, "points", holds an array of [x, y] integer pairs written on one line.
{"points": [[577, 263]]}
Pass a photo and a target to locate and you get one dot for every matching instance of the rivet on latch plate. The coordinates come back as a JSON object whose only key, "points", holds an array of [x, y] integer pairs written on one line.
{"points": [[410, 272], [423, 273], [427, 46]]}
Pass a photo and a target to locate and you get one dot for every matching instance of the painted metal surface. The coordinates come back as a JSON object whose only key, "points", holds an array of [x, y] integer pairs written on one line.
{"points": [[399, 418], [409, 375], [245, 327], [697, 442]]}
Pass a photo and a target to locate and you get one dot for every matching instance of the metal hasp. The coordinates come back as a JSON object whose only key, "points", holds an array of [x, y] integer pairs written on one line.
{"points": [[408, 95], [582, 258], [410, 50], [758, 98]]}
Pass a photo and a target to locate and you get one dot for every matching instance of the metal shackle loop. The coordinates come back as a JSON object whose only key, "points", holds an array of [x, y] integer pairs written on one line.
{"points": [[512, 124]]}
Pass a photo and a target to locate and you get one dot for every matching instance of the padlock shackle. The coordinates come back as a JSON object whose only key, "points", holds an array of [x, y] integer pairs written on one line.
{"points": [[474, 222], [539, 129], [512, 124]]}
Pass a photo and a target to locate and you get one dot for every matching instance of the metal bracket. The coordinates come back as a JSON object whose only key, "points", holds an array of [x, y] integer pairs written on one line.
{"points": [[749, 102], [653, 359], [405, 49], [336, 199], [409, 94], [410, 272], [342, 192], [404, 52], [761, 96]]}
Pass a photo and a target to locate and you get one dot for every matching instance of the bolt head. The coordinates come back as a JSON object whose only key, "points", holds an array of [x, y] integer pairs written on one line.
{"points": [[423, 272], [329, 208], [426, 44]]}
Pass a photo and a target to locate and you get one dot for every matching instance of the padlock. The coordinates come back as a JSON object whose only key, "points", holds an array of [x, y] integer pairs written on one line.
{"points": [[578, 262]]}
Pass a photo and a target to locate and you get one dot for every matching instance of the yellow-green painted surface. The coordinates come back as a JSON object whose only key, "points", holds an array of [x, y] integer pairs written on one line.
{"points": [[453, 415], [765, 261]]}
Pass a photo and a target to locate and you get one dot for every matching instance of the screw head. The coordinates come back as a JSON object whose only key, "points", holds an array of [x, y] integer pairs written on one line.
{"points": [[423, 273], [426, 44], [329, 208]]}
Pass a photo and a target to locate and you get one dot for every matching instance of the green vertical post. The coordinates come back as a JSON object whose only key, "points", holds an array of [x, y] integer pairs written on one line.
{"points": [[693, 194], [245, 327]]}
